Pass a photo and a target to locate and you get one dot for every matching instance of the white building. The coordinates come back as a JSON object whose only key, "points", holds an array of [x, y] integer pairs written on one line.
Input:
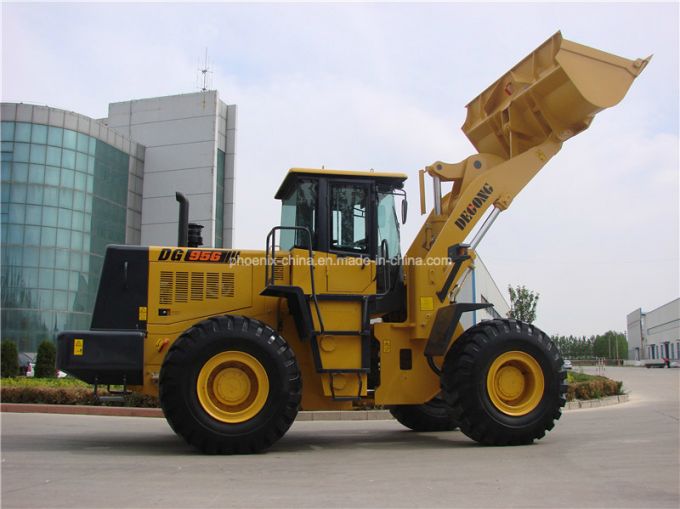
{"points": [[190, 147], [655, 334], [479, 287]]}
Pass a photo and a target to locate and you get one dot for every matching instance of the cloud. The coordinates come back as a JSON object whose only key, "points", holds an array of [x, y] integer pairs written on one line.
{"points": [[596, 233]]}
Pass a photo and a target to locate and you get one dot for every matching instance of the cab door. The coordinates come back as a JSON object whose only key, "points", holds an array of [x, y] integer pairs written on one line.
{"points": [[351, 240]]}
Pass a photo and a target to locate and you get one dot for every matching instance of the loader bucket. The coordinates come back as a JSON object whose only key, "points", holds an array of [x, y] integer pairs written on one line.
{"points": [[556, 90]]}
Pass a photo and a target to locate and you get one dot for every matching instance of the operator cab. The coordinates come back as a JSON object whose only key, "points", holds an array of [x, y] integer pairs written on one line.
{"points": [[347, 213]]}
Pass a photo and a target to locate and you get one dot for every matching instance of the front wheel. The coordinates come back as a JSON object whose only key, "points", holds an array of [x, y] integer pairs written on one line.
{"points": [[230, 384], [505, 382]]}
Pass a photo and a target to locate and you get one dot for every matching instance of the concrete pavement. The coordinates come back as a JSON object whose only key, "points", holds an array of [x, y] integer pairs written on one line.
{"points": [[619, 456]]}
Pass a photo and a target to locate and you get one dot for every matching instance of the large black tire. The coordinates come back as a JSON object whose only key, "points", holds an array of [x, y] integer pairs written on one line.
{"points": [[435, 415], [505, 382], [230, 384]]}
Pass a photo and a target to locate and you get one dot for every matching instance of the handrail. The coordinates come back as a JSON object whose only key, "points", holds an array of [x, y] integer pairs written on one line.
{"points": [[271, 236]]}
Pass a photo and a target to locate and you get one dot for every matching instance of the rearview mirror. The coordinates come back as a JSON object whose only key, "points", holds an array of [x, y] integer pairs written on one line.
{"points": [[404, 210]]}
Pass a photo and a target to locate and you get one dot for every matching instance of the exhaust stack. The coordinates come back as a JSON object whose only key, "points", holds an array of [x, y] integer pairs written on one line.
{"points": [[183, 223]]}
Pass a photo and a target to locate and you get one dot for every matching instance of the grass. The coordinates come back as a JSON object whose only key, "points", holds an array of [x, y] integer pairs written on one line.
{"points": [[22, 381], [573, 376]]}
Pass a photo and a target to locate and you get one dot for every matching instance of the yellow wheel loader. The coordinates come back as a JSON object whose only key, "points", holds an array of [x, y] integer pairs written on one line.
{"points": [[331, 315]]}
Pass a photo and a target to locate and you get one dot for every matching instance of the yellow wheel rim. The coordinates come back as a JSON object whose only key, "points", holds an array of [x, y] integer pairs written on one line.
{"points": [[515, 383], [232, 387]]}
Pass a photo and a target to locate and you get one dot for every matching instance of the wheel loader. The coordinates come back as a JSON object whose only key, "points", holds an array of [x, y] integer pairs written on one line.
{"points": [[331, 315]]}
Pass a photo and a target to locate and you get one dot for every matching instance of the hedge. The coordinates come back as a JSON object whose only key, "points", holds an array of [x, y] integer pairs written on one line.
{"points": [[583, 386], [72, 395], [69, 391]]}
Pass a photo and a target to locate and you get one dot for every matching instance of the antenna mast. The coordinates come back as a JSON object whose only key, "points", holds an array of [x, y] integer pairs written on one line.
{"points": [[205, 71]]}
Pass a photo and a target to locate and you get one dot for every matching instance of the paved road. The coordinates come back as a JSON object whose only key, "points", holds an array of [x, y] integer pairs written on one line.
{"points": [[620, 456]]}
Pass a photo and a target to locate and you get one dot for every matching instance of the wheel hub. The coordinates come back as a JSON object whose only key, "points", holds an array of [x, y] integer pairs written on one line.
{"points": [[515, 383], [232, 387], [510, 382]]}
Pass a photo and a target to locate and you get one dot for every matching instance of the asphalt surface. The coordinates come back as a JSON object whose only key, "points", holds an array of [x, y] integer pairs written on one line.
{"points": [[619, 456]]}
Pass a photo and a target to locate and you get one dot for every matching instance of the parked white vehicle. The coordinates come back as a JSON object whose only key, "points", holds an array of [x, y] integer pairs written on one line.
{"points": [[30, 372]]}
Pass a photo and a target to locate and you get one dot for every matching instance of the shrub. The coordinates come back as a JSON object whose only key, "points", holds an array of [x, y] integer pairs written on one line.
{"points": [[69, 395], [595, 387], [48, 395], [46, 361], [9, 359]]}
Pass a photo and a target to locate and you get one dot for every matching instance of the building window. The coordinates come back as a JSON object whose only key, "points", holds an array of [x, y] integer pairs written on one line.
{"points": [[219, 200], [64, 198]]}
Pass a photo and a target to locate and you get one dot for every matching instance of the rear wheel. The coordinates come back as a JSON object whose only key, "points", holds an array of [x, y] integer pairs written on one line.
{"points": [[505, 382], [230, 385], [435, 415]]}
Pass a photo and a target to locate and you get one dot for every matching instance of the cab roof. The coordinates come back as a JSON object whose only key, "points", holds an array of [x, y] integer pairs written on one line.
{"points": [[388, 178]]}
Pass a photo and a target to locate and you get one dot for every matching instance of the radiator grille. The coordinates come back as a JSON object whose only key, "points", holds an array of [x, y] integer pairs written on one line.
{"points": [[197, 283], [227, 284], [179, 287], [212, 285], [166, 287], [278, 272]]}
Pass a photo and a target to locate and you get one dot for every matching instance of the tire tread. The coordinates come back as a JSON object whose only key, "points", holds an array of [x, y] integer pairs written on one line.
{"points": [[460, 381], [181, 356]]}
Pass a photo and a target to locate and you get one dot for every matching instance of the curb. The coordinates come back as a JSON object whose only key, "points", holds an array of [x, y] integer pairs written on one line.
{"points": [[596, 403], [345, 415], [329, 415], [30, 408]]}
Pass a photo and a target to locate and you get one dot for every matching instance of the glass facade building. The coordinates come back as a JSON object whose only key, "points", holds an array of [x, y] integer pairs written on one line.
{"points": [[65, 196], [71, 185]]}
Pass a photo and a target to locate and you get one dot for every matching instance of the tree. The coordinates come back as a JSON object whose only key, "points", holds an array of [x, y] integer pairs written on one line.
{"points": [[611, 345], [46, 361], [9, 360], [522, 304]]}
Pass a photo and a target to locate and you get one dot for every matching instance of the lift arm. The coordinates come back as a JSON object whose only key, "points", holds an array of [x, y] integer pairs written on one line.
{"points": [[517, 124]]}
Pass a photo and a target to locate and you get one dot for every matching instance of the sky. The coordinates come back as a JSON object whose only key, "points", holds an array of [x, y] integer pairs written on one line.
{"points": [[384, 86]]}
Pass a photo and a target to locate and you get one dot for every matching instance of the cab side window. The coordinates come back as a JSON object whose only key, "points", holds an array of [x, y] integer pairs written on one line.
{"points": [[348, 216], [299, 209]]}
